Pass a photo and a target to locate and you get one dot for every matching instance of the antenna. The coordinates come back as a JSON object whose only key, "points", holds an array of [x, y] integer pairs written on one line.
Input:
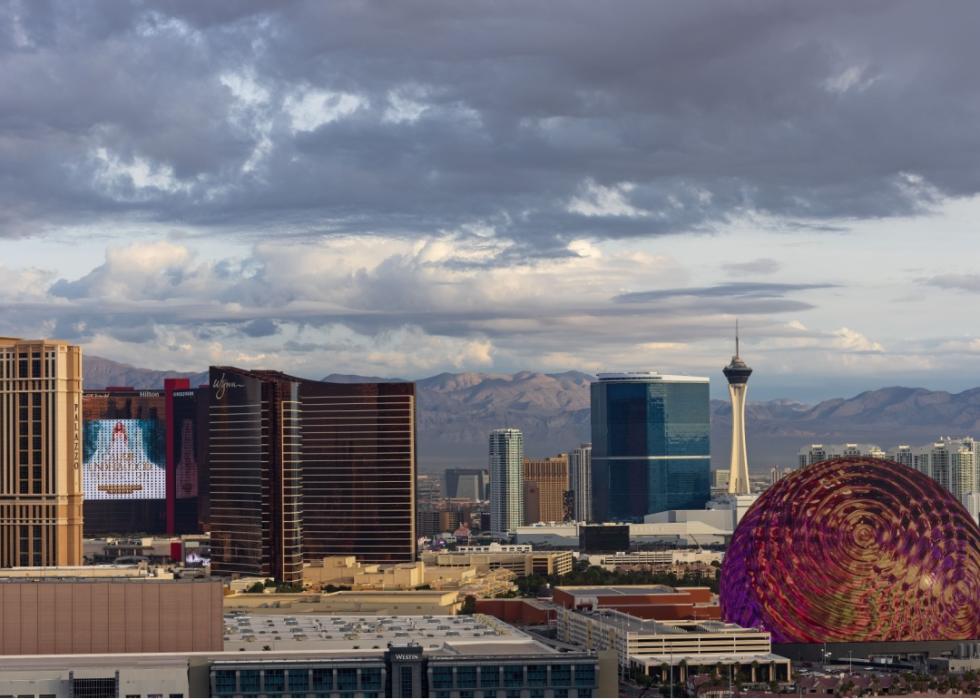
{"points": [[736, 337]]}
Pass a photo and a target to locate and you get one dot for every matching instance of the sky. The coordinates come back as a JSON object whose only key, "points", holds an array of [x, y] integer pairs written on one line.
{"points": [[402, 189]]}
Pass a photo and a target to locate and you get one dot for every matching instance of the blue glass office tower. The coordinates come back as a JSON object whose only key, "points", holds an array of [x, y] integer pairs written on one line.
{"points": [[650, 445]]}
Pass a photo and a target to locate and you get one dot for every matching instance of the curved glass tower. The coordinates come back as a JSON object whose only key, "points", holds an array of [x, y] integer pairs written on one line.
{"points": [[650, 445]]}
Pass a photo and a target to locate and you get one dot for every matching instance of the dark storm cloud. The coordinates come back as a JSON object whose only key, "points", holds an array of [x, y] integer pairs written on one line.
{"points": [[601, 120]]}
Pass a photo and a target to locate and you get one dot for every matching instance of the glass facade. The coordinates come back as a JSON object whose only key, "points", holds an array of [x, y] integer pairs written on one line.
{"points": [[307, 469], [255, 475], [358, 471], [407, 672], [650, 445]]}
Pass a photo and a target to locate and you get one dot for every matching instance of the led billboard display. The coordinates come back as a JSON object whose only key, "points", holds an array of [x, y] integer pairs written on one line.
{"points": [[124, 459]]}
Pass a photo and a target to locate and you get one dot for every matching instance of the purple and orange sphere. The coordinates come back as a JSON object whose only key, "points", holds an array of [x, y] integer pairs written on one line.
{"points": [[855, 549]]}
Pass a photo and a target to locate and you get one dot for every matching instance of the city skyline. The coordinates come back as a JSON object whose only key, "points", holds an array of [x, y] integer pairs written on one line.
{"points": [[392, 208]]}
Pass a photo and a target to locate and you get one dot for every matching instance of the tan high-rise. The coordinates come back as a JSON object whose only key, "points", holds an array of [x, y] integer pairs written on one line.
{"points": [[545, 485], [40, 453]]}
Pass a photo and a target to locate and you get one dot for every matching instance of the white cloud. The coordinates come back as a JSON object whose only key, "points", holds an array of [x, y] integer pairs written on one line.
{"points": [[138, 172], [310, 109], [853, 341], [405, 105], [598, 200], [851, 79]]}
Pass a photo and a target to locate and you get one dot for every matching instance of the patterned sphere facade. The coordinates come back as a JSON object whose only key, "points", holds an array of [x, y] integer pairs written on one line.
{"points": [[855, 549]]}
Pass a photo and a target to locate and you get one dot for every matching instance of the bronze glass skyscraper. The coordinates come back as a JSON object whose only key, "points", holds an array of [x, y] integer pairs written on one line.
{"points": [[306, 469], [40, 453], [359, 470], [255, 474]]}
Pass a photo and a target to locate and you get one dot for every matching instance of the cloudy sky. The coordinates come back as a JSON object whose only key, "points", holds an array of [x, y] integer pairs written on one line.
{"points": [[407, 188]]}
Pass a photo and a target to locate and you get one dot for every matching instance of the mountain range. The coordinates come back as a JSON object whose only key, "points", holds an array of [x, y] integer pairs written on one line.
{"points": [[457, 411]]}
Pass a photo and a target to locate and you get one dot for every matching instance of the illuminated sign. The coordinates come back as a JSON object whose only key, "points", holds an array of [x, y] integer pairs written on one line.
{"points": [[123, 460]]}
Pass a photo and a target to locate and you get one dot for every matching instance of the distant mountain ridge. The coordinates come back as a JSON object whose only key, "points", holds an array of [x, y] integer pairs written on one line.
{"points": [[101, 373], [457, 411]]}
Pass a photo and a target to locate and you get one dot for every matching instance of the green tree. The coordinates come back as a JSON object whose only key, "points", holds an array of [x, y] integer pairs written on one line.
{"points": [[469, 605]]}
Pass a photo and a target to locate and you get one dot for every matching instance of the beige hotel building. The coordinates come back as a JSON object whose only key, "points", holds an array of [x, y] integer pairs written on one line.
{"points": [[40, 453]]}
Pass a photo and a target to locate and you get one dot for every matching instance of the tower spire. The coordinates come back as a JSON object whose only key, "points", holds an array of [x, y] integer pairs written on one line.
{"points": [[737, 373]]}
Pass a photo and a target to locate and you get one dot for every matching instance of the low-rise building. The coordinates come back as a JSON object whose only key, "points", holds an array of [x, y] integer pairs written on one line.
{"points": [[521, 560], [346, 571], [432, 602], [674, 649], [330, 656], [660, 602], [110, 614], [667, 558]]}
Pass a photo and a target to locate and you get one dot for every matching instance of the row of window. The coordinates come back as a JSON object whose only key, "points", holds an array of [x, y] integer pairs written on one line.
{"points": [[512, 676], [271, 682]]}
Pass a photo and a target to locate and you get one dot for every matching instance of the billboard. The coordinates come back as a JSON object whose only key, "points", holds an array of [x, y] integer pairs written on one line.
{"points": [[124, 459]]}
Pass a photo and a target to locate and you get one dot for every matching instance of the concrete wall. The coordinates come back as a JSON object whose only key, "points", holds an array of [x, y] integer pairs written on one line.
{"points": [[51, 617]]}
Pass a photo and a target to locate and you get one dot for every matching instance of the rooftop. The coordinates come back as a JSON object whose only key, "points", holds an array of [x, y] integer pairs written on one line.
{"points": [[652, 376], [632, 624], [622, 590], [354, 634]]}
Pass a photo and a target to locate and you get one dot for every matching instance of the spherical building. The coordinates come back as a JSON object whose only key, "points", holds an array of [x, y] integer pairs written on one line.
{"points": [[855, 549]]}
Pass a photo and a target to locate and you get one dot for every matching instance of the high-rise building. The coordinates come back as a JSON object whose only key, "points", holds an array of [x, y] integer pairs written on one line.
{"points": [[359, 470], [142, 464], [545, 485], [650, 445], [815, 453], [301, 470], [40, 453], [719, 479], [737, 372], [506, 489], [256, 475], [466, 483], [187, 458], [963, 472], [580, 481]]}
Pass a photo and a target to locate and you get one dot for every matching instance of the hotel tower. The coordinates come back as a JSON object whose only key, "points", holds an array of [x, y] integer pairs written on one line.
{"points": [[40, 453]]}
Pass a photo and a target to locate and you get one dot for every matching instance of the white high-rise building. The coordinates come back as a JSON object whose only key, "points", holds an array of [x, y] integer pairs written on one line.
{"points": [[815, 453], [737, 372], [580, 481], [954, 463], [506, 488]]}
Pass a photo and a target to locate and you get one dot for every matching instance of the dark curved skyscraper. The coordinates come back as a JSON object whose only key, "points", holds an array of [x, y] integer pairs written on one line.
{"points": [[650, 445]]}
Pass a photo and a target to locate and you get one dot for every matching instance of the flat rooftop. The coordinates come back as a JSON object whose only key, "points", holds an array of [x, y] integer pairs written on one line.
{"points": [[357, 635], [623, 590], [628, 622]]}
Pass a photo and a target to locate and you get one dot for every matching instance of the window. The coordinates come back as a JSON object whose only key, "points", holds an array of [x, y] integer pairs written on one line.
{"points": [[466, 677], [249, 681], [490, 676], [94, 687], [537, 675], [513, 676], [299, 681], [347, 679], [407, 682], [561, 675], [224, 683], [371, 678], [584, 676], [442, 678]]}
